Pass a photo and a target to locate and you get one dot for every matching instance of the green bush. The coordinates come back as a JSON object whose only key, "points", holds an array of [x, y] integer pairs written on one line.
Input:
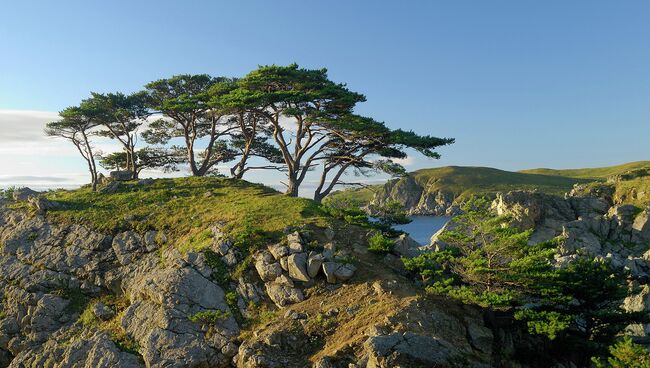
{"points": [[625, 354], [378, 243], [209, 316]]}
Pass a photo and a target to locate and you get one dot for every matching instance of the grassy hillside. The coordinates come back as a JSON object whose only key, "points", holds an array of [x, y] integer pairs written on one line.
{"points": [[467, 181], [184, 208], [598, 173]]}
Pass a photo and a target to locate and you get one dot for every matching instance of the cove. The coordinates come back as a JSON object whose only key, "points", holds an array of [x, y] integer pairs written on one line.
{"points": [[421, 228]]}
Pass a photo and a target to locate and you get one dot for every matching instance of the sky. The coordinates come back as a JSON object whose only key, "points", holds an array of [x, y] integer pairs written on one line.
{"points": [[519, 83]]}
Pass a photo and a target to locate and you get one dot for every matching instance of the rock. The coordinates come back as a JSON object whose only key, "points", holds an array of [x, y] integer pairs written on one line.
{"points": [[23, 194], [297, 265], [102, 311], [344, 272], [408, 348], [329, 234], [267, 268], [284, 263], [278, 251], [127, 246], [144, 182], [642, 224], [525, 208], [295, 247], [294, 237], [314, 263], [283, 293], [329, 269], [41, 205], [150, 240], [407, 247], [121, 175], [111, 187]]}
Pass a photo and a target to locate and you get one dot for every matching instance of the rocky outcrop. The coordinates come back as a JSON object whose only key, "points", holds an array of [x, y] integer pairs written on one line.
{"points": [[50, 273], [417, 198], [284, 268], [587, 223]]}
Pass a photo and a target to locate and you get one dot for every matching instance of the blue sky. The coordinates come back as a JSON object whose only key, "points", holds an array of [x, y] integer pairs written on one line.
{"points": [[518, 83]]}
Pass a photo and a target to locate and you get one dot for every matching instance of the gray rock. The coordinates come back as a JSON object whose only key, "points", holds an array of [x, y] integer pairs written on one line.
{"points": [[267, 268], [297, 265], [344, 272], [283, 293], [278, 251], [23, 194], [408, 348], [314, 263], [102, 311], [121, 175], [329, 269]]}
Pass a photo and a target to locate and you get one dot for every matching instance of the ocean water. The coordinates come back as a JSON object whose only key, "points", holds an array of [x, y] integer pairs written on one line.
{"points": [[422, 228]]}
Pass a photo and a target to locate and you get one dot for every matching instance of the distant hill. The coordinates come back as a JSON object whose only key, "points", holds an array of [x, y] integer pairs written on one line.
{"points": [[597, 173], [436, 190]]}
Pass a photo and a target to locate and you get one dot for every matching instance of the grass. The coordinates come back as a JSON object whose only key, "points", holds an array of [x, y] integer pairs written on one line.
{"points": [[464, 182], [182, 209], [597, 173], [113, 326], [635, 191]]}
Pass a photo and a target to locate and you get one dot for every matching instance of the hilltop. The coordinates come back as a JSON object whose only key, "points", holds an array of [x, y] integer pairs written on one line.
{"points": [[596, 173]]}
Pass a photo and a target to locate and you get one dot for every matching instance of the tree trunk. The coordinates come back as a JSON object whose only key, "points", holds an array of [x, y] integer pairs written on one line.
{"points": [[293, 186]]}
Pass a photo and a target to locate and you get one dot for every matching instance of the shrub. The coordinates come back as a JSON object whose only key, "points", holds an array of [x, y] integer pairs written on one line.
{"points": [[625, 354], [378, 243], [209, 316]]}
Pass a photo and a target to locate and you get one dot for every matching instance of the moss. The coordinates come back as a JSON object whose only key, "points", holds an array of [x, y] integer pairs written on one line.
{"points": [[3, 315]]}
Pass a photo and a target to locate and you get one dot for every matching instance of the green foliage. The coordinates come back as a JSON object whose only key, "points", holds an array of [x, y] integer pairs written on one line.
{"points": [[624, 354], [378, 243], [8, 193], [491, 264], [320, 324], [351, 215], [588, 293], [548, 323], [431, 265], [209, 316], [3, 315]]}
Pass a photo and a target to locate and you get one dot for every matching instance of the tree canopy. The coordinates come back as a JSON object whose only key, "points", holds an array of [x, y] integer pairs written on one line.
{"points": [[285, 118]]}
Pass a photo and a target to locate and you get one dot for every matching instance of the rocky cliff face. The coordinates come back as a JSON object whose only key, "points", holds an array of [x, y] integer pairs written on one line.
{"points": [[75, 297], [417, 199], [589, 224]]}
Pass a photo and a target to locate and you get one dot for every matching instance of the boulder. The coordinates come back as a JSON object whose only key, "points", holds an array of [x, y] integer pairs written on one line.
{"points": [[407, 247], [344, 272], [23, 194], [283, 292], [121, 175], [314, 263], [102, 311], [329, 269], [297, 265], [267, 267], [278, 251]]}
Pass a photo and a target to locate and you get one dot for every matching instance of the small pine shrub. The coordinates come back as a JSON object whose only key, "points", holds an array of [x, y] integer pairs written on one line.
{"points": [[378, 243], [209, 316]]}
